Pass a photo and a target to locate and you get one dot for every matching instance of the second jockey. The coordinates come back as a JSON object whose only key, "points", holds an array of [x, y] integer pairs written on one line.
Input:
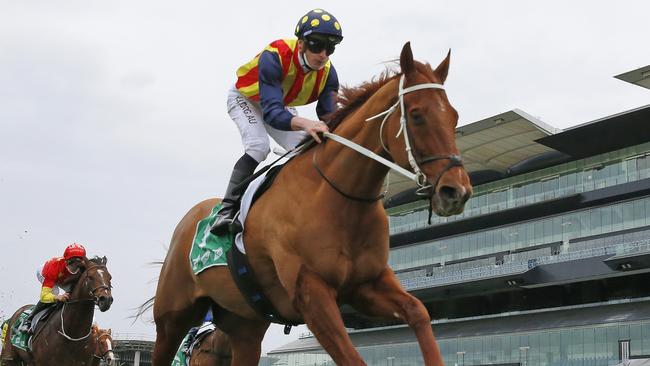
{"points": [[287, 73], [57, 273]]}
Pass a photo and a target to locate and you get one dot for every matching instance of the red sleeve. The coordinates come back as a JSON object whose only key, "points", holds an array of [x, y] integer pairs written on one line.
{"points": [[51, 271]]}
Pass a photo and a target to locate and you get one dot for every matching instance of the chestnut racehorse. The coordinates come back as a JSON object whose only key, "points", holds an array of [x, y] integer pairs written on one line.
{"points": [[64, 337], [319, 236], [102, 341]]}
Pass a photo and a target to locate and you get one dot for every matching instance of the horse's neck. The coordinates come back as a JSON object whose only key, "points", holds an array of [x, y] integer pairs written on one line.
{"points": [[78, 313], [78, 316], [355, 173]]}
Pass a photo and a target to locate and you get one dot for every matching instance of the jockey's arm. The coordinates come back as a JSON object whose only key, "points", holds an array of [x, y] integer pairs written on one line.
{"points": [[47, 296], [5, 325], [271, 95], [47, 293], [326, 100]]}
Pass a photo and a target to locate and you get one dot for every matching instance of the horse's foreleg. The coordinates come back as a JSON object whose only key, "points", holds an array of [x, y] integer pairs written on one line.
{"points": [[171, 328], [386, 298], [245, 337], [316, 301]]}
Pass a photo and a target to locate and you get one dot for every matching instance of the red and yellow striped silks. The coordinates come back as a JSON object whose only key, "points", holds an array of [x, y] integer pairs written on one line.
{"points": [[298, 87]]}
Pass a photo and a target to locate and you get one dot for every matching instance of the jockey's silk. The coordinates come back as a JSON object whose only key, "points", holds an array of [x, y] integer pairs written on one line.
{"points": [[5, 325], [55, 273], [298, 87]]}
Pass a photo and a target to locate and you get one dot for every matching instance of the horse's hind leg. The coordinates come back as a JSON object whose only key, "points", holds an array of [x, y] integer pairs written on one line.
{"points": [[316, 301], [245, 336], [171, 328], [386, 298]]}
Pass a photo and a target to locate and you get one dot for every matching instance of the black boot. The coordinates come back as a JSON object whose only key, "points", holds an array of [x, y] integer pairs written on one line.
{"points": [[243, 169], [27, 324]]}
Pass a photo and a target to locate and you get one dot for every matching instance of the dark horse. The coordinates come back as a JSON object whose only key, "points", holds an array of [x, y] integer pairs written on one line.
{"points": [[318, 237], [65, 337], [212, 350]]}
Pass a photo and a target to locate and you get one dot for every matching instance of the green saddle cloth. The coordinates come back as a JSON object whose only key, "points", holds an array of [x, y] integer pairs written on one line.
{"points": [[209, 250], [181, 359], [20, 339]]}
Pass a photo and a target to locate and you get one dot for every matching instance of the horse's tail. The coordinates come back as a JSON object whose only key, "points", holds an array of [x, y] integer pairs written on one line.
{"points": [[146, 306]]}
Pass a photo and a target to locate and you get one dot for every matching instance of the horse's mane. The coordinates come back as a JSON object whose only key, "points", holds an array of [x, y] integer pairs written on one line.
{"points": [[349, 99], [96, 259]]}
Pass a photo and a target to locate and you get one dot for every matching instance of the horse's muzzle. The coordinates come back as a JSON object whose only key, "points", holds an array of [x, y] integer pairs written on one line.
{"points": [[110, 358], [450, 200], [104, 302]]}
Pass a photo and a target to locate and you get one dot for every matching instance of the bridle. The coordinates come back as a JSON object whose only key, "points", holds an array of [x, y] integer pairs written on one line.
{"points": [[94, 298], [424, 188], [109, 349]]}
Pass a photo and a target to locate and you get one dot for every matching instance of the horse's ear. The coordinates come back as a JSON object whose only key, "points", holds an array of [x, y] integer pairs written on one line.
{"points": [[110, 331], [443, 68], [104, 260], [406, 59]]}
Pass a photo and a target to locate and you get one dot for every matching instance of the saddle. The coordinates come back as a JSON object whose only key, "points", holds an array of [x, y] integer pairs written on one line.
{"points": [[23, 340]]}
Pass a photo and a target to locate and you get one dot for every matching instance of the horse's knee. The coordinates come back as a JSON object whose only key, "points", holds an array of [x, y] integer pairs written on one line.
{"points": [[415, 313]]}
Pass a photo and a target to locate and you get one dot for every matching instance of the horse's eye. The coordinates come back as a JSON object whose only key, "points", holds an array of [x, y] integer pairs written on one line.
{"points": [[416, 117]]}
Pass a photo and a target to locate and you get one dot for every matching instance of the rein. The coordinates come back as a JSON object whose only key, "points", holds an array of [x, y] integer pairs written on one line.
{"points": [[424, 188], [62, 331]]}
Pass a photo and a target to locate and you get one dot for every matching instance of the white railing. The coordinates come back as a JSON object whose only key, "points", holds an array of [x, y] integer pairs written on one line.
{"points": [[134, 337]]}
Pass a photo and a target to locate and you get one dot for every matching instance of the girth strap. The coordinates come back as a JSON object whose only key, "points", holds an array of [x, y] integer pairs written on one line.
{"points": [[242, 273]]}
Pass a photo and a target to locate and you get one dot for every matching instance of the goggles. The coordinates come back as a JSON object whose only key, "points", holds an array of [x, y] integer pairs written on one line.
{"points": [[316, 45], [73, 261]]}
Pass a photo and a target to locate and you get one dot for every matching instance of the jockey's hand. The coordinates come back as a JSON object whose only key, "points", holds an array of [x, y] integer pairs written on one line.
{"points": [[311, 127], [63, 298]]}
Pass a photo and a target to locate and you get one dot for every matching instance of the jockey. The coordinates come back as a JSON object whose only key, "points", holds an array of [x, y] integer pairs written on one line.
{"points": [[287, 73], [3, 333], [57, 273], [191, 335]]}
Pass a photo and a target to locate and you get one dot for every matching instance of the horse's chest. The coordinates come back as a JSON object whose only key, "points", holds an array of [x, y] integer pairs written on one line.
{"points": [[344, 270]]}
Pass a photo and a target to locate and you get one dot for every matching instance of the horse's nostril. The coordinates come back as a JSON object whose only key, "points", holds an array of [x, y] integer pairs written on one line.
{"points": [[448, 193]]}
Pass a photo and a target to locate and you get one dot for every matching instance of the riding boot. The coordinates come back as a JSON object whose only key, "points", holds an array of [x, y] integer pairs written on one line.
{"points": [[27, 324], [243, 169]]}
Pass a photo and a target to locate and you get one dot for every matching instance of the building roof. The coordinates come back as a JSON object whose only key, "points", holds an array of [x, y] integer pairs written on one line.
{"points": [[640, 77], [603, 135]]}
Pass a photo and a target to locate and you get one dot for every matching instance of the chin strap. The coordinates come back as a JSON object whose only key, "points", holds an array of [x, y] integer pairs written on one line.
{"points": [[303, 63]]}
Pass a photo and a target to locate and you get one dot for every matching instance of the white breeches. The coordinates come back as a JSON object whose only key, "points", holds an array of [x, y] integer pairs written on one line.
{"points": [[248, 117]]}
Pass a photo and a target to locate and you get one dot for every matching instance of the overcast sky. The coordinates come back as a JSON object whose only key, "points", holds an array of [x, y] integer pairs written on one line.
{"points": [[113, 120]]}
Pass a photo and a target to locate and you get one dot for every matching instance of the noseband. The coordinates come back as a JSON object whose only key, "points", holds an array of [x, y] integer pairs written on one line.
{"points": [[424, 188], [102, 286]]}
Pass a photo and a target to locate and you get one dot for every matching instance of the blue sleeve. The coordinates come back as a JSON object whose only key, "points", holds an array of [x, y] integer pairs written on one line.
{"points": [[326, 103], [271, 96]]}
